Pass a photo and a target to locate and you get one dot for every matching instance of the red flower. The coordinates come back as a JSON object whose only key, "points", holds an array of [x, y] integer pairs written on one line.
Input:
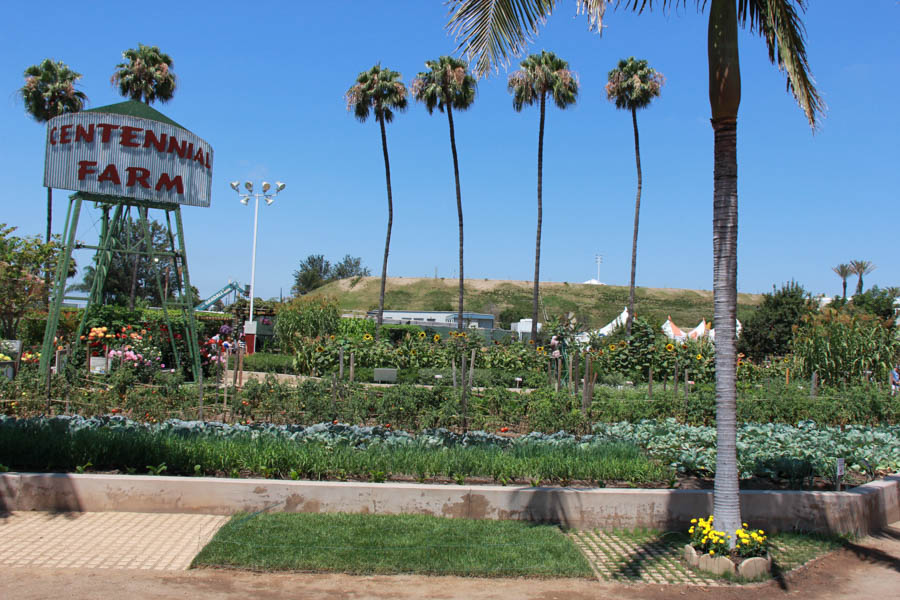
{"points": [[504, 429], [335, 422]]}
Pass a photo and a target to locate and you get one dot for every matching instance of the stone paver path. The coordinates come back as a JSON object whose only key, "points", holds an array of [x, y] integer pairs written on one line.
{"points": [[637, 559], [109, 540]]}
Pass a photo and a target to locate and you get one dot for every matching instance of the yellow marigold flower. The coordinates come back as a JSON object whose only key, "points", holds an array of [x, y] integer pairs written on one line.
{"points": [[712, 552], [699, 357], [691, 530], [693, 520], [744, 524]]}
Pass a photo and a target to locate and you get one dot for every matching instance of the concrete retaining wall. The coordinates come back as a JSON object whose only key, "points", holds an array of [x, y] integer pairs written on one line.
{"points": [[861, 510]]}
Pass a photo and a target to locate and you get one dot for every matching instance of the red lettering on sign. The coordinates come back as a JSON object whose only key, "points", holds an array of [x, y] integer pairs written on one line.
{"points": [[199, 156], [137, 175], [110, 173], [128, 137], [52, 139], [106, 130], [169, 183], [86, 167], [64, 134], [207, 161], [150, 139], [82, 134], [174, 147]]}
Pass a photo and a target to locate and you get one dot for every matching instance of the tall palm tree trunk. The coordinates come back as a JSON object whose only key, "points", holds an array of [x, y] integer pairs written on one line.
{"points": [[47, 270], [724, 100], [387, 241], [859, 285], [844, 288], [49, 212], [537, 243], [637, 215], [459, 212]]}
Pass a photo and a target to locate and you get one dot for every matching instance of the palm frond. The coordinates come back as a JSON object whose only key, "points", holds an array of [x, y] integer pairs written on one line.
{"points": [[778, 22], [490, 32]]}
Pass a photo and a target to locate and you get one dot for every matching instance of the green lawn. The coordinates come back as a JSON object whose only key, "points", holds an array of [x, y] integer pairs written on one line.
{"points": [[389, 544]]}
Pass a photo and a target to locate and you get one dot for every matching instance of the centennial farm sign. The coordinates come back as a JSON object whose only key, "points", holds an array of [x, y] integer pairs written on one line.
{"points": [[128, 156]]}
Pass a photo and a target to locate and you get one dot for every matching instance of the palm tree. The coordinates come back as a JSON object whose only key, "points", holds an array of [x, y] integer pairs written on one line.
{"points": [[542, 75], [379, 90], [490, 30], [49, 91], [447, 85], [843, 271], [147, 76], [860, 268], [632, 86]]}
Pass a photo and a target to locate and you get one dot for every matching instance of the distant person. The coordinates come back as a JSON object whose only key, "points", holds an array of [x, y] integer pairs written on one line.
{"points": [[895, 380]]}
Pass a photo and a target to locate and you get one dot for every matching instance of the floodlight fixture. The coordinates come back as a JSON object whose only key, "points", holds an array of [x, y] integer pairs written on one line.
{"points": [[266, 186], [279, 186], [269, 201], [248, 186], [245, 200], [235, 185]]}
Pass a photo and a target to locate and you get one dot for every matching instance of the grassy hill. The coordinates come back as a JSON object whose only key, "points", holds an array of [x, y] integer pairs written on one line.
{"points": [[595, 305]]}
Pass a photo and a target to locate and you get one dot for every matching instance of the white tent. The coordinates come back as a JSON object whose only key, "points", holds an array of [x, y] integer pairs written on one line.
{"points": [[672, 330], [585, 336]]}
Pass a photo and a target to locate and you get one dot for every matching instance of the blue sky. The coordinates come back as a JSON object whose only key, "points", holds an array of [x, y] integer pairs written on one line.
{"points": [[264, 84]]}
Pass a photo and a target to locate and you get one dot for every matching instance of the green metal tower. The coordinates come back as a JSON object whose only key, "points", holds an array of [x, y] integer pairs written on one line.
{"points": [[128, 159]]}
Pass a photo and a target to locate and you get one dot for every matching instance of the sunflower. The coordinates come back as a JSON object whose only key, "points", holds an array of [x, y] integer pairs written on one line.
{"points": [[540, 348], [612, 347], [436, 337], [463, 335], [622, 344], [331, 337], [531, 341], [599, 352], [320, 349], [367, 337], [670, 347], [421, 335], [699, 357]]}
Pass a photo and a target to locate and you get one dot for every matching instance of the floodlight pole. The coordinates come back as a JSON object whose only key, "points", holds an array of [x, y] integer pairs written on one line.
{"points": [[245, 198], [253, 259]]}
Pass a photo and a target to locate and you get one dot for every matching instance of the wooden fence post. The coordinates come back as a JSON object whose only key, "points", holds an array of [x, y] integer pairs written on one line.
{"points": [[650, 383], [341, 368], [472, 370], [352, 361]]}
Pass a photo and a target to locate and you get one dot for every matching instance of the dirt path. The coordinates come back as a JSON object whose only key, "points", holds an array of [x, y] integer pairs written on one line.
{"points": [[869, 568]]}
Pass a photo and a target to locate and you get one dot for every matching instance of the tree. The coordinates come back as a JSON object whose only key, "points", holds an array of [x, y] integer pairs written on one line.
{"points": [[350, 266], [448, 85], [541, 75], [124, 283], [379, 90], [843, 271], [877, 301], [860, 268], [147, 76], [49, 91], [770, 329], [632, 85], [21, 286], [314, 272], [490, 30]]}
